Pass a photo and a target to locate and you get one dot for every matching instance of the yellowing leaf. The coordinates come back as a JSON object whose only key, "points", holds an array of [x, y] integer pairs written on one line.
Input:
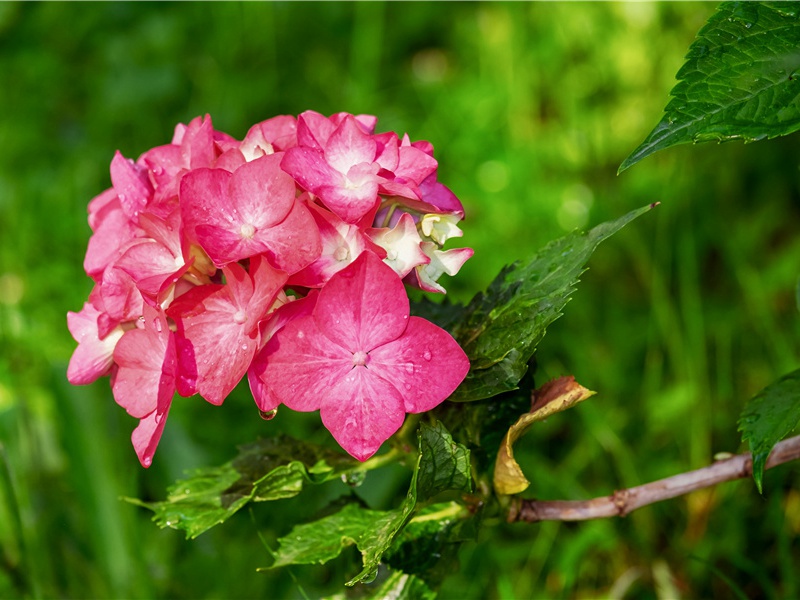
{"points": [[554, 396]]}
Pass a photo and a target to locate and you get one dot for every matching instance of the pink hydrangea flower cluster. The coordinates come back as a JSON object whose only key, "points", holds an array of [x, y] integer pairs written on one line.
{"points": [[281, 257]]}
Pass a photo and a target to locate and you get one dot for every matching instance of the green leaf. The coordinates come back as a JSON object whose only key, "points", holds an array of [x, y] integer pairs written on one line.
{"points": [[444, 464], [502, 326], [324, 539], [428, 545], [741, 80], [768, 418], [269, 469], [402, 586]]}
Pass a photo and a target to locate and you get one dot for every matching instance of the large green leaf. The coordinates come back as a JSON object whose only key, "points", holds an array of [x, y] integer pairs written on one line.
{"points": [[769, 417], [442, 465], [269, 469], [502, 326], [741, 80]]}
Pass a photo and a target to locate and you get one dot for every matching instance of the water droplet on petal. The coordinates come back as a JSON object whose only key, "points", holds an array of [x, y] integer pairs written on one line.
{"points": [[426, 355], [410, 368], [268, 415], [244, 346], [147, 462], [157, 324]]}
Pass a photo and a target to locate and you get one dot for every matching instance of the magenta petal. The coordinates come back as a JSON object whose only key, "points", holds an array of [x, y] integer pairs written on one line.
{"points": [[293, 243], [362, 411], [425, 363], [301, 366], [363, 306]]}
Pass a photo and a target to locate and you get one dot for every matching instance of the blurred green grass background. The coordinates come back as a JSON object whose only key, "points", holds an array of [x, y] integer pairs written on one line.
{"points": [[531, 107]]}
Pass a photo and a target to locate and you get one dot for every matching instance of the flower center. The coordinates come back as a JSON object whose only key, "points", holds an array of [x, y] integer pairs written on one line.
{"points": [[248, 231], [360, 359], [341, 253]]}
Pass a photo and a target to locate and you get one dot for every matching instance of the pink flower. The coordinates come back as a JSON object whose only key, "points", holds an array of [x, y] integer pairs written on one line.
{"points": [[218, 328], [361, 360], [252, 211], [345, 172], [144, 382]]}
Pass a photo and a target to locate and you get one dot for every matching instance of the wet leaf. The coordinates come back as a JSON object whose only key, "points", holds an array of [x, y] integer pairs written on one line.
{"points": [[502, 326], [554, 396], [741, 80], [769, 417], [269, 469]]}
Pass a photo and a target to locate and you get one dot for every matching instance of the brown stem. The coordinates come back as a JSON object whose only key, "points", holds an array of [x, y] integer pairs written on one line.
{"points": [[623, 502]]}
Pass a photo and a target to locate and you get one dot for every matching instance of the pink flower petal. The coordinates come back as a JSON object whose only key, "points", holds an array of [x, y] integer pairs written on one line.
{"points": [[348, 145], [94, 356], [218, 329], [146, 436], [362, 411], [363, 306], [132, 185], [425, 363]]}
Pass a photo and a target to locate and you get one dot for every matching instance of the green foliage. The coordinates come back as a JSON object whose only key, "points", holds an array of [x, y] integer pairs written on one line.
{"points": [[768, 418], [741, 80], [442, 465], [531, 107], [501, 327], [269, 469]]}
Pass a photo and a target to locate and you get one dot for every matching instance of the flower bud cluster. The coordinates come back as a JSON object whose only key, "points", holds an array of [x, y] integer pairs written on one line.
{"points": [[210, 254]]}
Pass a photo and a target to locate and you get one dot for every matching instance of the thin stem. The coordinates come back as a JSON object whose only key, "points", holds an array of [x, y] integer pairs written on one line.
{"points": [[623, 502]]}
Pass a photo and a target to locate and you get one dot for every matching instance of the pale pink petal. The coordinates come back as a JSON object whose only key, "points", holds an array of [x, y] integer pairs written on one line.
{"points": [[132, 185], [351, 204], [94, 356], [401, 244], [415, 164], [363, 306], [348, 145], [113, 230], [426, 364], [362, 411]]}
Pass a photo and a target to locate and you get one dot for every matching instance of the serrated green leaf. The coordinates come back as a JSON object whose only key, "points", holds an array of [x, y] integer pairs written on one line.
{"points": [[502, 326], [444, 463], [373, 532], [741, 80], [428, 545], [269, 469], [322, 540], [768, 418]]}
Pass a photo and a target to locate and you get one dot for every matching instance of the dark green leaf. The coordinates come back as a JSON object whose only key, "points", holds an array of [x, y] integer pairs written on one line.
{"points": [[741, 80], [502, 326], [445, 314], [769, 417], [444, 464], [269, 469], [428, 546]]}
